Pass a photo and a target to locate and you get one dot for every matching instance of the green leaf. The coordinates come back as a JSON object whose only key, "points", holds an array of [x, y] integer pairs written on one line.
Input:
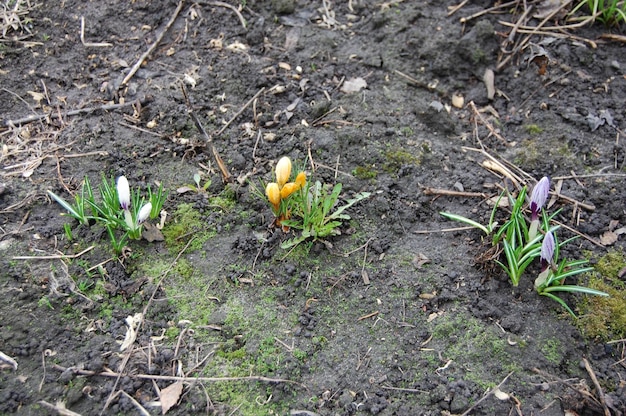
{"points": [[574, 289], [465, 220], [561, 302], [67, 206]]}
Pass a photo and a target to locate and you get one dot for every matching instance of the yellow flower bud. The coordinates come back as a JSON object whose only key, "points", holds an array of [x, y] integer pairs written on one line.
{"points": [[273, 194], [283, 171], [301, 180], [288, 189]]}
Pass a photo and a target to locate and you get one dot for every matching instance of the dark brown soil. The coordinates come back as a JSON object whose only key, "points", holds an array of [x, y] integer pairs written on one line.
{"points": [[384, 319]]}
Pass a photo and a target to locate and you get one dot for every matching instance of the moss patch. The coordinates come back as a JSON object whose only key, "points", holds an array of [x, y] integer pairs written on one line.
{"points": [[604, 318], [186, 223]]}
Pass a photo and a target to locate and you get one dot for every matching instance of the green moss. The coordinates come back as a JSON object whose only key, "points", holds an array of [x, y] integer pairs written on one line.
{"points": [[479, 349], [172, 332], [365, 172], [604, 318], [533, 129], [183, 268], [394, 159], [225, 201], [186, 223], [551, 349]]}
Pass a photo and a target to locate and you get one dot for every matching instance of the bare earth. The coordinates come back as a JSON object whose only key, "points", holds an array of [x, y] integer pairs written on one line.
{"points": [[392, 317]]}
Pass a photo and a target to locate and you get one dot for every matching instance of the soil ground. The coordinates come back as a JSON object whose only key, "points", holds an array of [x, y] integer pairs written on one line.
{"points": [[392, 317]]}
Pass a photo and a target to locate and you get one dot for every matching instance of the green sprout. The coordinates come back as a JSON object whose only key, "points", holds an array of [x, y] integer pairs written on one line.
{"points": [[315, 213], [308, 207], [197, 188], [523, 241], [608, 12], [117, 208]]}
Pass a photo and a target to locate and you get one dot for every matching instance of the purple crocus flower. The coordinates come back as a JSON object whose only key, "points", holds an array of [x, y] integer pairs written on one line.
{"points": [[547, 250], [539, 197]]}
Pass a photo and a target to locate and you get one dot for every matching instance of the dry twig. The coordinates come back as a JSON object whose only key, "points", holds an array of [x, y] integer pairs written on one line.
{"points": [[220, 163], [90, 44], [52, 116], [241, 110], [152, 47], [489, 393], [176, 378]]}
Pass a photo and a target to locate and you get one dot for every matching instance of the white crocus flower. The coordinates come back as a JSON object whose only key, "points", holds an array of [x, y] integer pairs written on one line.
{"points": [[144, 213], [123, 193]]}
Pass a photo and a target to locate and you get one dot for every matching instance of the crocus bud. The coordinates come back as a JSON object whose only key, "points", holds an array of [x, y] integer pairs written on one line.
{"points": [[283, 171], [539, 197], [273, 194], [123, 192], [301, 180], [547, 256], [547, 250], [288, 189], [144, 213]]}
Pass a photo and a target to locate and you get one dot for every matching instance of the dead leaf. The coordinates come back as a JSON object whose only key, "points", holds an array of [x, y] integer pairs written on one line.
{"points": [[37, 96], [500, 395], [608, 238], [353, 85], [185, 189], [433, 316], [169, 396], [131, 333], [419, 260], [489, 80], [152, 233]]}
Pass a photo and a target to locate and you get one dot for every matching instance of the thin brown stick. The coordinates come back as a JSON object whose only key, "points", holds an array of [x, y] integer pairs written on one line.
{"points": [[152, 47], [489, 10], [404, 389], [489, 393], [90, 44], [241, 110], [54, 257], [233, 8], [177, 378], [106, 107], [599, 391], [434, 191], [454, 9], [218, 159], [444, 230], [369, 315]]}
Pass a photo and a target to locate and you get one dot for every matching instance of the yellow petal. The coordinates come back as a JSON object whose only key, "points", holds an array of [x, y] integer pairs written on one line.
{"points": [[288, 189], [283, 171], [273, 194], [301, 180]]}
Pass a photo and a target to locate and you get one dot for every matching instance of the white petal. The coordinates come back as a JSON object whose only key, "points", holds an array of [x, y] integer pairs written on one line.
{"points": [[144, 213], [123, 192]]}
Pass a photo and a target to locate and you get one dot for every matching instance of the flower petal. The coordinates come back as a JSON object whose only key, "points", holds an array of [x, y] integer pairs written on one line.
{"points": [[539, 195], [123, 192], [283, 171], [273, 194], [547, 248], [144, 213]]}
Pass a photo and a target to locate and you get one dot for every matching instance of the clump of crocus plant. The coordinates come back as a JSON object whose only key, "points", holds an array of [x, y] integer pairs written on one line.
{"points": [[523, 242], [116, 208], [309, 208], [133, 219], [278, 192], [538, 199]]}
